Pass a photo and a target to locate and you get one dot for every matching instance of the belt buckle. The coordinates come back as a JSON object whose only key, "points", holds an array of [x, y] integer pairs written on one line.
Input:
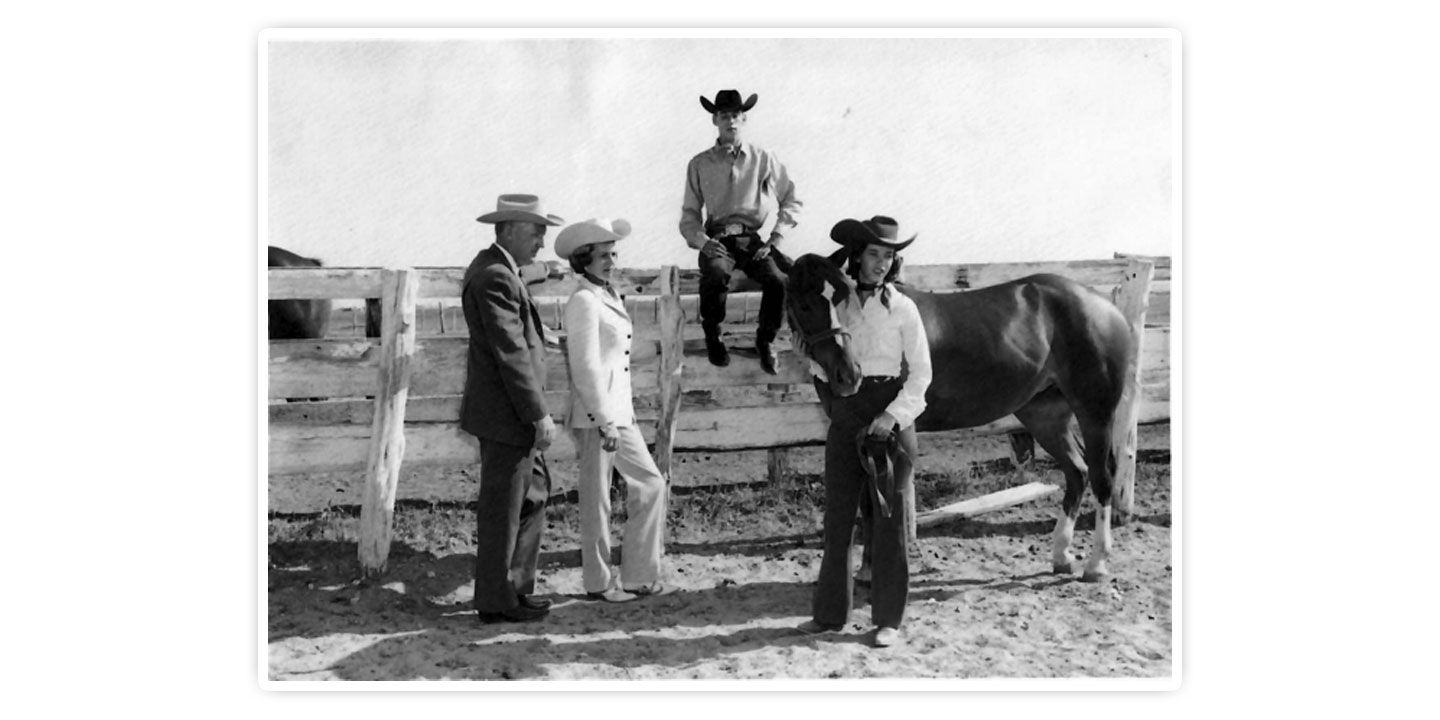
{"points": [[734, 229]]}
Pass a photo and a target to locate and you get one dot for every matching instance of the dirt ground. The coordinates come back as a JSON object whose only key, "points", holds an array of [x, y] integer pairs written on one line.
{"points": [[983, 602]]}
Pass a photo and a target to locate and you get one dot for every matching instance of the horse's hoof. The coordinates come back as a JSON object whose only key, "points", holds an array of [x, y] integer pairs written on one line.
{"points": [[1095, 576], [1065, 568]]}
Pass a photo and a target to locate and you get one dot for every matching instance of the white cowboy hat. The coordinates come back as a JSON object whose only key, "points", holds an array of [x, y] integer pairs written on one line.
{"points": [[520, 208], [590, 232]]}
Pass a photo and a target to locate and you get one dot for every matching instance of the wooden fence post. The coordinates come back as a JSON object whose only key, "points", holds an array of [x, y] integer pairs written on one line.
{"points": [[387, 433], [1131, 296], [672, 357], [778, 459]]}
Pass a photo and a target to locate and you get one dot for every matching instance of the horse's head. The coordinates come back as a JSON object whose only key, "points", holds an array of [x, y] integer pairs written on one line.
{"points": [[814, 288]]}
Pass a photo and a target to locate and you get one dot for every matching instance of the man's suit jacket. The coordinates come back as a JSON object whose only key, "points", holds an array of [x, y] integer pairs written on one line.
{"points": [[505, 366], [598, 332]]}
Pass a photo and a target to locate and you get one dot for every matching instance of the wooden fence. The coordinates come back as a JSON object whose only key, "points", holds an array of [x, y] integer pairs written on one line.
{"points": [[415, 372]]}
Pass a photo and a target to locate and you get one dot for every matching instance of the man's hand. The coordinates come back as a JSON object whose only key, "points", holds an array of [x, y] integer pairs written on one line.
{"points": [[544, 433], [882, 425], [609, 438], [765, 249], [713, 249]]}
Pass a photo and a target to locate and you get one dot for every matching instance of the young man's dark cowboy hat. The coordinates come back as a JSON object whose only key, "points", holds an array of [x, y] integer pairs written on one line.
{"points": [[728, 101], [879, 230]]}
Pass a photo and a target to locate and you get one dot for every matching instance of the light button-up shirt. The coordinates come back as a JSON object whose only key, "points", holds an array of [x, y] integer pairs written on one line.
{"points": [[880, 338], [721, 185]]}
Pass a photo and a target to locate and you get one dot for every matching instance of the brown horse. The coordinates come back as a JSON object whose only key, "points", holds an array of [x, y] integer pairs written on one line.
{"points": [[296, 319], [1043, 348]]}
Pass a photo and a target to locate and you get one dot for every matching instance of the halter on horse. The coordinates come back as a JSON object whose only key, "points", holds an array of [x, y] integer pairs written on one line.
{"points": [[1044, 348]]}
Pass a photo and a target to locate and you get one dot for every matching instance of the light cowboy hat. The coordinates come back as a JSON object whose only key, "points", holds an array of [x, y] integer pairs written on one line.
{"points": [[879, 230], [728, 101], [520, 208], [590, 232]]}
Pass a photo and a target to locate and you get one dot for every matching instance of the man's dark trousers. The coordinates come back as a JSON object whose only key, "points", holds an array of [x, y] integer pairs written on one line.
{"points": [[715, 269], [514, 487]]}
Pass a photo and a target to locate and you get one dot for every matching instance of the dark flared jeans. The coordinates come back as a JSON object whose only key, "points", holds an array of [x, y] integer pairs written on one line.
{"points": [[845, 486]]}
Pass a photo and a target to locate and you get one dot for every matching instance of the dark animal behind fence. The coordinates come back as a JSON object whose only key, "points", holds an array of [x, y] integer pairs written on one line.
{"points": [[296, 319]]}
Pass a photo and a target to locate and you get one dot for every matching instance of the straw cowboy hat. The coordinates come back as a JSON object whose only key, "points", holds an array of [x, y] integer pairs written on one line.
{"points": [[520, 208], [880, 230], [590, 232], [728, 101]]}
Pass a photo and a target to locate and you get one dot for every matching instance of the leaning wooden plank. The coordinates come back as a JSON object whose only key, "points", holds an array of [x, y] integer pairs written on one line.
{"points": [[986, 503]]}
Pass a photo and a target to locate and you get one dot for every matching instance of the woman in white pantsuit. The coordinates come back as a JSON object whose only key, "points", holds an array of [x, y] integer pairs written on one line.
{"points": [[601, 417]]}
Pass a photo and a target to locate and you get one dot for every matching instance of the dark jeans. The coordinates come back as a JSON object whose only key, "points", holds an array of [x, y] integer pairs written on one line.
{"points": [[514, 488], [715, 270], [845, 486]]}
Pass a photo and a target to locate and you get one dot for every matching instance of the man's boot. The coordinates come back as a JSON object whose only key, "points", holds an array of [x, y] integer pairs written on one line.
{"points": [[719, 356], [768, 357]]}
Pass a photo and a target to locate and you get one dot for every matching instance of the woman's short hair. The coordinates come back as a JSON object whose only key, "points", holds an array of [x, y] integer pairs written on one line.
{"points": [[580, 258]]}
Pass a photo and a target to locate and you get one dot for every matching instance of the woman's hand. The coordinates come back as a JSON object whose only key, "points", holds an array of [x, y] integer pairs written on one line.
{"points": [[609, 438], [882, 425]]}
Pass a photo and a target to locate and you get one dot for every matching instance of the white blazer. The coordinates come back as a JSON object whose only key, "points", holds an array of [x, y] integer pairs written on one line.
{"points": [[598, 353]]}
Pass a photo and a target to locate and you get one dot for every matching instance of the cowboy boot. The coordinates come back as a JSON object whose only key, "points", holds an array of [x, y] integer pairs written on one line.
{"points": [[719, 356], [768, 357]]}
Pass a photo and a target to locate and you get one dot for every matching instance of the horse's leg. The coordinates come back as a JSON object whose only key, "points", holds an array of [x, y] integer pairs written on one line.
{"points": [[1048, 418], [1100, 456]]}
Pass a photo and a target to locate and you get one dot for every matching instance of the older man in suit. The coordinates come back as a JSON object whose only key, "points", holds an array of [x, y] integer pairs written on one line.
{"points": [[504, 406]]}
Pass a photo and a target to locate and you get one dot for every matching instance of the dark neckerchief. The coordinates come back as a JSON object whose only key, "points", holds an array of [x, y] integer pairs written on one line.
{"points": [[601, 283], [868, 290]]}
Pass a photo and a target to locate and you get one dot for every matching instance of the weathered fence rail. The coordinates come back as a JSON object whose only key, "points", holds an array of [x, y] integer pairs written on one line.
{"points": [[395, 399]]}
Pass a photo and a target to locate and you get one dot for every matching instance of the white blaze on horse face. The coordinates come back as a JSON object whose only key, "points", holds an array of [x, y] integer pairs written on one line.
{"points": [[828, 293]]}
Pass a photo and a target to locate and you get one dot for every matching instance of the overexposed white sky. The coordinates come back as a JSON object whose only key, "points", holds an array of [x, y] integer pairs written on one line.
{"points": [[384, 151]]}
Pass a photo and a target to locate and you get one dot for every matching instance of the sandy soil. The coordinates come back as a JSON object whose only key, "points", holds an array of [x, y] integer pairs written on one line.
{"points": [[983, 602]]}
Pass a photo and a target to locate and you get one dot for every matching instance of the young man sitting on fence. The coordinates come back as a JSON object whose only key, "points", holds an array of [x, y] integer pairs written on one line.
{"points": [[727, 189]]}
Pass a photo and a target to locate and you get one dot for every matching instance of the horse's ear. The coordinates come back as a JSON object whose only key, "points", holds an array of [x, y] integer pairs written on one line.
{"points": [[801, 278], [841, 283]]}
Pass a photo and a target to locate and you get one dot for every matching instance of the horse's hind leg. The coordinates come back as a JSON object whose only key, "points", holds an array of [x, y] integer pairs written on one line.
{"points": [[1048, 417], [1100, 456]]}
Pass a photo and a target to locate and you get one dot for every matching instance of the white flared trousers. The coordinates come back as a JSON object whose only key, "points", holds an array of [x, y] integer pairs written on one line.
{"points": [[645, 507]]}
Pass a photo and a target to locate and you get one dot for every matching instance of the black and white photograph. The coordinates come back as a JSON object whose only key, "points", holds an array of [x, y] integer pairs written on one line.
{"points": [[1015, 360], [785, 358]]}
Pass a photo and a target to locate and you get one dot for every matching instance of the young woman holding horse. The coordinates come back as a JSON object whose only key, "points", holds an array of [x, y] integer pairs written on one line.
{"points": [[886, 338], [1044, 348], [601, 417]]}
